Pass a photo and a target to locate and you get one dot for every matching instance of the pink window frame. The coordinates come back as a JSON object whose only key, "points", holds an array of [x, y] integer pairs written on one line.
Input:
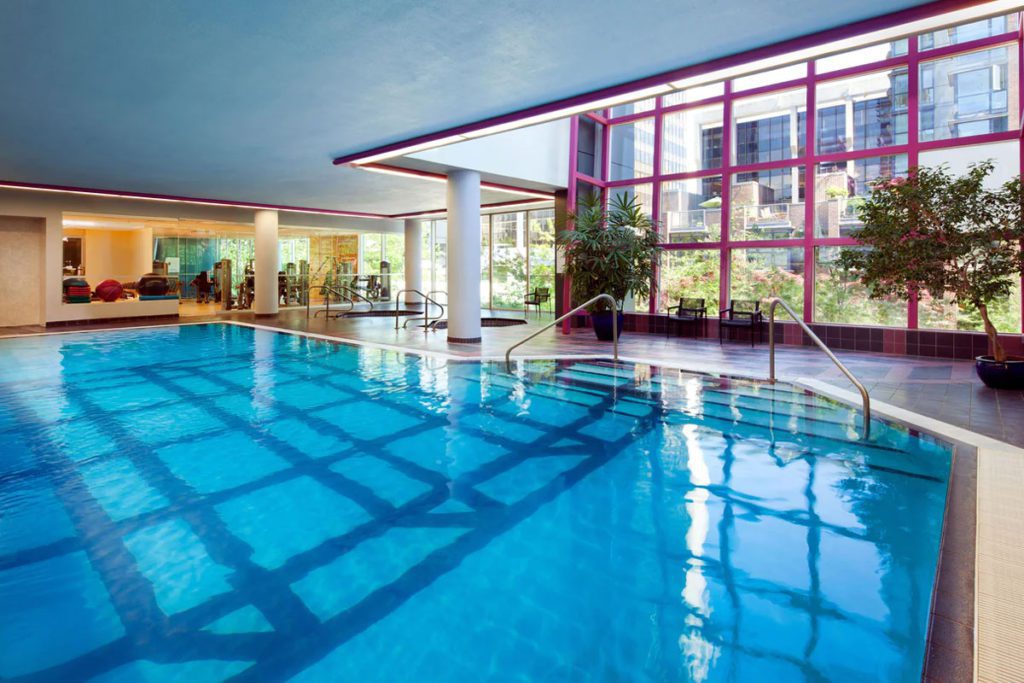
{"points": [[810, 159]]}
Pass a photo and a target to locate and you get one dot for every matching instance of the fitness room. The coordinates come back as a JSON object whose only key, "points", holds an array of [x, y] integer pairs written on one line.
{"points": [[206, 267]]}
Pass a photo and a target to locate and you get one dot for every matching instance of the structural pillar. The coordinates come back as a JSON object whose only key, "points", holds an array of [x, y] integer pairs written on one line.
{"points": [[265, 270], [464, 257], [413, 259]]}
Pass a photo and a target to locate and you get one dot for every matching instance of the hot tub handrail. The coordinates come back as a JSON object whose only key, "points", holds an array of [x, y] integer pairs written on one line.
{"points": [[426, 317], [615, 328], [776, 301], [330, 289]]}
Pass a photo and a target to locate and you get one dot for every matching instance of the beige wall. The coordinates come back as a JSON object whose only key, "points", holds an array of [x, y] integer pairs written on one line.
{"points": [[22, 286], [122, 255]]}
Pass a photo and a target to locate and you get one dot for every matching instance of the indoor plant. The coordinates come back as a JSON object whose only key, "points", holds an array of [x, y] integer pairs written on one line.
{"points": [[948, 236], [610, 251]]}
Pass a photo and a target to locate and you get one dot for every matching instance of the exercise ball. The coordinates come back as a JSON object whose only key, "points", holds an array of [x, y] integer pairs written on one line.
{"points": [[109, 290]]}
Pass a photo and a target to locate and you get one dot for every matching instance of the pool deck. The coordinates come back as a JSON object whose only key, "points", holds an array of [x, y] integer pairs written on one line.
{"points": [[945, 392]]}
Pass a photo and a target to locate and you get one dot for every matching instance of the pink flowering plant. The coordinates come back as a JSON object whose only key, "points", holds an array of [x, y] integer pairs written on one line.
{"points": [[945, 235]]}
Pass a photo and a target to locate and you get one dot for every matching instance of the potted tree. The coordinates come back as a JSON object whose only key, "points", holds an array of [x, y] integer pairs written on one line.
{"points": [[948, 236], [611, 250]]}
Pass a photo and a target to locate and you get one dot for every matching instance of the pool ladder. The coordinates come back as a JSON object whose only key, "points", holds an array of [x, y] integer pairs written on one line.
{"points": [[776, 301]]}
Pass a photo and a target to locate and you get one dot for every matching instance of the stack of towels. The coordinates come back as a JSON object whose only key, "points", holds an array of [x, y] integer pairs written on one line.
{"points": [[77, 291]]}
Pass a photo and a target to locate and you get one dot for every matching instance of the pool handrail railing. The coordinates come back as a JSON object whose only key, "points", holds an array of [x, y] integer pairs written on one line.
{"points": [[427, 321], [615, 328], [776, 301]]}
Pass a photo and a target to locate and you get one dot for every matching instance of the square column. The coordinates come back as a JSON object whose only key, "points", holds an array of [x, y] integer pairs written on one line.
{"points": [[265, 267], [464, 257]]}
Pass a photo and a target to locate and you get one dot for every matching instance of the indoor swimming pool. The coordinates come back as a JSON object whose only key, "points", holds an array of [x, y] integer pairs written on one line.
{"points": [[211, 502]]}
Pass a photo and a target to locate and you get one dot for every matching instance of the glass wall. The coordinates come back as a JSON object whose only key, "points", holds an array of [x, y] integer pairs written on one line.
{"points": [[517, 255], [793, 185]]}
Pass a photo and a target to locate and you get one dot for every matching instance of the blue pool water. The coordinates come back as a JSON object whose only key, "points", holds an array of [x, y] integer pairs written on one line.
{"points": [[207, 502]]}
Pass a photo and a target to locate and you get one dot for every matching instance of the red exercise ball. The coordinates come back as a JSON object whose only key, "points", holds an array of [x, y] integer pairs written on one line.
{"points": [[109, 290]]}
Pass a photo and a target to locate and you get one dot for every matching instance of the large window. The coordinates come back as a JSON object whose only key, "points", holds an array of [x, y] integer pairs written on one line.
{"points": [[691, 273], [763, 273], [542, 250], [508, 253], [767, 205], [692, 140], [969, 94], [840, 297], [632, 150], [691, 210], [840, 189], [749, 152], [643, 195], [768, 127]]}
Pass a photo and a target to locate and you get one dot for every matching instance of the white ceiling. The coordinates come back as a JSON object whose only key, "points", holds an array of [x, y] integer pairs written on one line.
{"points": [[250, 100]]}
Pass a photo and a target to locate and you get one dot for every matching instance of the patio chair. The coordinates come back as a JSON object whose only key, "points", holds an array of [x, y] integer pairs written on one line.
{"points": [[689, 312], [539, 296], [742, 314]]}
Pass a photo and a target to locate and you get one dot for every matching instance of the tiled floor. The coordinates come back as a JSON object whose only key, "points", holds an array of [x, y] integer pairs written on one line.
{"points": [[947, 390]]}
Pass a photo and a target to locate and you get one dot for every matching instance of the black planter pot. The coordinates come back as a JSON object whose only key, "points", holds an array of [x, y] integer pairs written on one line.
{"points": [[1007, 375], [602, 322]]}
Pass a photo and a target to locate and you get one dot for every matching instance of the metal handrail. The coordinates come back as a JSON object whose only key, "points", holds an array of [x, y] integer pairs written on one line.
{"points": [[615, 328], [426, 316], [327, 288], [358, 295], [775, 301]]}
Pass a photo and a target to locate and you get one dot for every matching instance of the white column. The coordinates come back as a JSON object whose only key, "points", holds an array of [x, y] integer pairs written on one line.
{"points": [[265, 302], [464, 256], [413, 259]]}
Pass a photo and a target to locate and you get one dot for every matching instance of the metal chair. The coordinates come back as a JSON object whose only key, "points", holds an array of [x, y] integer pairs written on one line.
{"points": [[539, 296], [689, 311], [742, 314]]}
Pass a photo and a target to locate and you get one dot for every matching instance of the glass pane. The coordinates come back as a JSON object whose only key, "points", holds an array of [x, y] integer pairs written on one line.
{"points": [[394, 254], [969, 94], [691, 140], [74, 263], [780, 75], [632, 150], [840, 297], [370, 254], [963, 33], [542, 254], [485, 261], [1005, 156], [943, 314], [767, 205], [643, 194], [439, 257], [691, 210], [769, 128], [692, 273], [861, 56], [763, 273], [840, 188], [695, 94], [632, 108], [588, 149], [508, 271], [427, 256], [862, 112]]}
